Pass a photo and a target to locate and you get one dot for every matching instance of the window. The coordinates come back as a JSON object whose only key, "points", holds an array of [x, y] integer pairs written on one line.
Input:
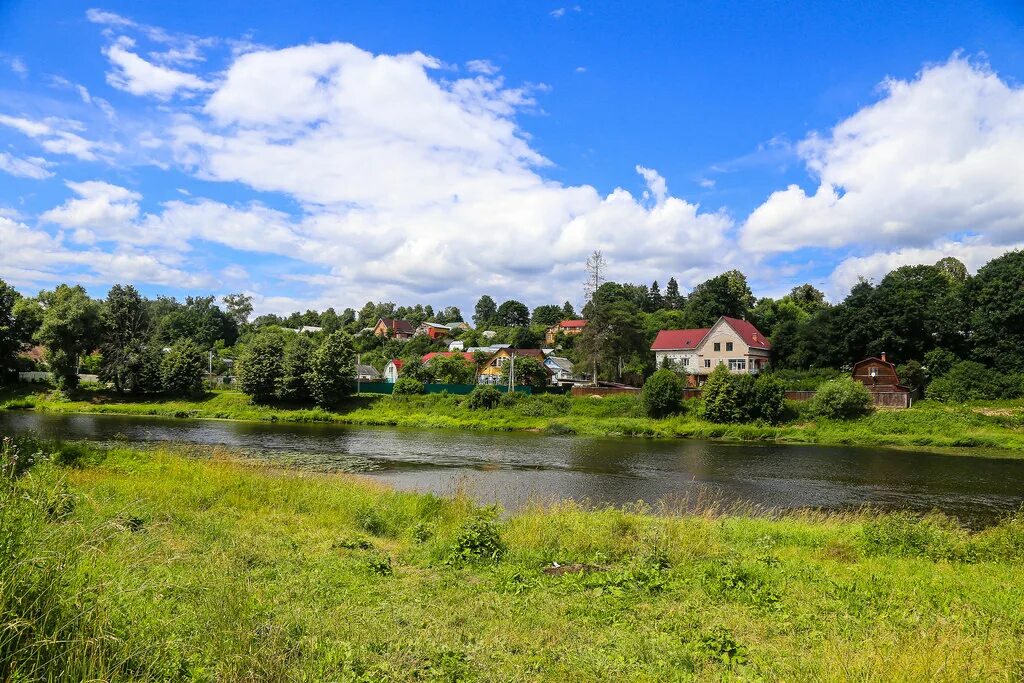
{"points": [[728, 346], [686, 361], [874, 372], [707, 362], [500, 362], [737, 364], [718, 346]]}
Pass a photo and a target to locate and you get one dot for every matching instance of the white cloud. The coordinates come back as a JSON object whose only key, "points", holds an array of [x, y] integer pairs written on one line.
{"points": [[562, 11], [482, 66], [17, 65], [101, 212], [581, 69], [137, 76], [937, 156], [28, 167], [55, 136]]}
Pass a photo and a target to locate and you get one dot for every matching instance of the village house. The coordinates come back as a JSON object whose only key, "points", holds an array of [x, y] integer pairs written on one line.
{"points": [[697, 352], [433, 330], [570, 327], [562, 370], [491, 372], [393, 327], [447, 354], [881, 379], [392, 370], [367, 373], [457, 345]]}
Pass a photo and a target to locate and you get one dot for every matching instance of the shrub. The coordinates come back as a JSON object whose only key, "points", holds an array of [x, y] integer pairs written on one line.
{"points": [[407, 386], [182, 368], [912, 374], [663, 393], [769, 402], [721, 397], [968, 381], [938, 362], [478, 540], [841, 399], [483, 397]]}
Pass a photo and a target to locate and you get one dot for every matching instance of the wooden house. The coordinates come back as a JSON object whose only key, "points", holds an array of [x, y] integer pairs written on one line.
{"points": [[394, 327], [881, 379]]}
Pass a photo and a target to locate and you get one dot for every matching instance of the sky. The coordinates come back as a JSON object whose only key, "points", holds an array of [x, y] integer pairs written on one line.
{"points": [[318, 154]]}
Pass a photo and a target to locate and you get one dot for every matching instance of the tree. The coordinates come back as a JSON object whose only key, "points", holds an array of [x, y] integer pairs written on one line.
{"points": [[239, 307], [721, 396], [295, 366], [182, 368], [809, 298], [614, 330], [529, 372], [485, 312], [596, 274], [953, 269], [451, 314], [995, 297], [568, 312], [332, 370], [657, 302], [453, 369], [10, 332], [513, 313], [726, 294], [547, 315], [198, 319], [69, 328], [260, 368], [663, 393], [131, 362], [673, 299]]}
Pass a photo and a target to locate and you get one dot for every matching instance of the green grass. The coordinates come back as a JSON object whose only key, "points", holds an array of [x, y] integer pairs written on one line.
{"points": [[978, 427], [128, 565]]}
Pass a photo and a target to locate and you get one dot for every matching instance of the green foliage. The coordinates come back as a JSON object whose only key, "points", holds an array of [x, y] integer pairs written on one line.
{"points": [[130, 357], [719, 644], [663, 393], [729, 397], [995, 299], [547, 315], [841, 399], [407, 386], [483, 397], [485, 312], [182, 369], [529, 372], [453, 369], [805, 380], [513, 313], [260, 369], [332, 370], [11, 335], [971, 381], [721, 397], [70, 327], [295, 367], [478, 540], [938, 362], [769, 400], [912, 374]]}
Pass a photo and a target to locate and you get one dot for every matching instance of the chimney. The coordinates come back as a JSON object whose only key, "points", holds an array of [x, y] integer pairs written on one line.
{"points": [[883, 357]]}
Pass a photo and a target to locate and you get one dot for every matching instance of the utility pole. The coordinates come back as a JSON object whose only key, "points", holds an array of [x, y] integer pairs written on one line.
{"points": [[358, 383], [512, 374]]}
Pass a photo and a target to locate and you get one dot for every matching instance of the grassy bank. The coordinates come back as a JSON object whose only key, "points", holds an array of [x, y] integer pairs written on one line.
{"points": [[125, 565], [981, 426]]}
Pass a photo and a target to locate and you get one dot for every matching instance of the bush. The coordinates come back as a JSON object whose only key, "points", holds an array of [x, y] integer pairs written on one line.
{"points": [[721, 397], [938, 362], [769, 399], [483, 397], [182, 368], [663, 393], [743, 398], [841, 399], [407, 386], [970, 381], [478, 540]]}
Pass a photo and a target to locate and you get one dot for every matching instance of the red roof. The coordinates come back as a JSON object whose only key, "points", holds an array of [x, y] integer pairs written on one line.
{"points": [[447, 354], [748, 333], [573, 323], [680, 340], [397, 362], [675, 340]]}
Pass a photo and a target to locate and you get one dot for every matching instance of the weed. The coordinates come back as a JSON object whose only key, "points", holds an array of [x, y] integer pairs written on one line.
{"points": [[479, 540], [719, 645]]}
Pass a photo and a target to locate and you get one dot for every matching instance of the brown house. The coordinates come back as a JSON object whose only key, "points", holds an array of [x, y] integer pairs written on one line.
{"points": [[879, 376], [393, 327]]}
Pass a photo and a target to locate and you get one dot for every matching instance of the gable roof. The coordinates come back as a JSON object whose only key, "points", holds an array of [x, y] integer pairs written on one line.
{"points": [[446, 354], [750, 335], [437, 325], [397, 325], [560, 362], [364, 370], [397, 362], [679, 340], [572, 323]]}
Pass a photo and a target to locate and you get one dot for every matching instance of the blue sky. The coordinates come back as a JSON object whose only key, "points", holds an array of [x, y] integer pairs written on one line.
{"points": [[322, 155]]}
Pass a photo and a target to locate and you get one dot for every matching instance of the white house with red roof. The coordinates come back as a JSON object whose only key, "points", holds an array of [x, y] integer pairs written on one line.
{"points": [[730, 341]]}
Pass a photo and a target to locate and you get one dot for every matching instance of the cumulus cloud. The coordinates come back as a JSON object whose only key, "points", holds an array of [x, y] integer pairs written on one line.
{"points": [[137, 76], [936, 156]]}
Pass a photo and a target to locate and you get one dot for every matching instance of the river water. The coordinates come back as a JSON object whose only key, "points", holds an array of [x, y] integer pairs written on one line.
{"points": [[513, 468]]}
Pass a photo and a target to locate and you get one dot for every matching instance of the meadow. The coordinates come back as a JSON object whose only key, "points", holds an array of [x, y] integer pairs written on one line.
{"points": [[179, 565], [977, 427]]}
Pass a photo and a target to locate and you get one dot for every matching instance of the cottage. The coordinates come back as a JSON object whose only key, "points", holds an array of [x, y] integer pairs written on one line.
{"points": [[433, 330], [457, 345], [394, 327], [447, 354], [392, 370], [570, 327], [367, 373], [562, 370], [492, 370], [881, 379], [697, 352]]}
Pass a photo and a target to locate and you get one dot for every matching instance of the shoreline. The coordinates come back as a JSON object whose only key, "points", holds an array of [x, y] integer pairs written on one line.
{"points": [[945, 430]]}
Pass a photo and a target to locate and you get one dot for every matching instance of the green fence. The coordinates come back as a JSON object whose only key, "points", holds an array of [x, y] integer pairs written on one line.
{"points": [[387, 388]]}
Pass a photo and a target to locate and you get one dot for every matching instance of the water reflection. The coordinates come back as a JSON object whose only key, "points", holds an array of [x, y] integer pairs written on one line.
{"points": [[513, 468]]}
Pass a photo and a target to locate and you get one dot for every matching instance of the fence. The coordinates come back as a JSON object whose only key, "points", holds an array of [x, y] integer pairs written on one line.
{"points": [[884, 399], [46, 377], [603, 391], [461, 389]]}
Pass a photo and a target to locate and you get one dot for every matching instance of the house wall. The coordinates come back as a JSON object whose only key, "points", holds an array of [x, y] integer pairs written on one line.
{"points": [[723, 335], [884, 380]]}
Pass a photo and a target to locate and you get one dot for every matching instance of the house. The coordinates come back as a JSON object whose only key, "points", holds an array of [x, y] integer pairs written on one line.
{"points": [[570, 327], [457, 345], [393, 327], [461, 325], [367, 373], [881, 379], [309, 329], [447, 354], [433, 330], [730, 341], [491, 372], [562, 370], [392, 369]]}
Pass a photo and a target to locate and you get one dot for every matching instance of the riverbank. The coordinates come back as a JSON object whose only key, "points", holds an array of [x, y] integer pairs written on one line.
{"points": [[927, 425], [151, 565]]}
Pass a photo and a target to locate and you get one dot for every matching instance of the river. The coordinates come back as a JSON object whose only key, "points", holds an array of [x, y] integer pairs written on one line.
{"points": [[513, 468]]}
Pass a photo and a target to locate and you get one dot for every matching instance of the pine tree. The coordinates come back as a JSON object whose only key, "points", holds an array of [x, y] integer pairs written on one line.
{"points": [[657, 302], [673, 300]]}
